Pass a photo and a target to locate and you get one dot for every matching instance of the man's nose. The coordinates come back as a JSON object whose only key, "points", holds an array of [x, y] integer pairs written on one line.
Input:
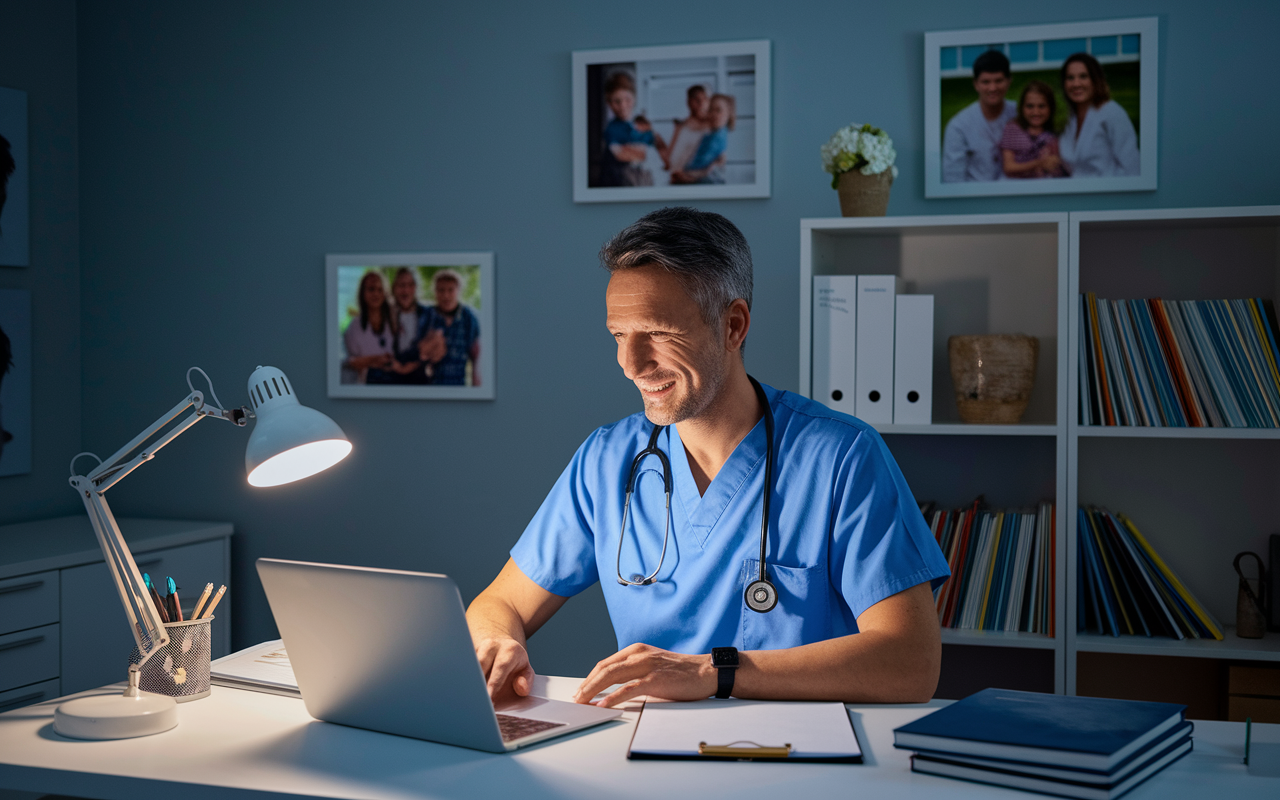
{"points": [[634, 355]]}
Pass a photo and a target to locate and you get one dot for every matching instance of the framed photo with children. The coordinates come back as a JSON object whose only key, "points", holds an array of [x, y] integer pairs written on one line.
{"points": [[680, 122], [1041, 109], [410, 326]]}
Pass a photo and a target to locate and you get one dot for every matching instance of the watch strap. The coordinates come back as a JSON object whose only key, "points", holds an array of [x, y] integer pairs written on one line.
{"points": [[724, 683]]}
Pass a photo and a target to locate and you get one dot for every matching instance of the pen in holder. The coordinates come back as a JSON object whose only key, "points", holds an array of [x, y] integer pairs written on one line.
{"points": [[181, 669]]}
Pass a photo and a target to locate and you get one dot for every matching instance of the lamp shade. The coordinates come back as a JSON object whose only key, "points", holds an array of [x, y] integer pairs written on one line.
{"points": [[289, 441]]}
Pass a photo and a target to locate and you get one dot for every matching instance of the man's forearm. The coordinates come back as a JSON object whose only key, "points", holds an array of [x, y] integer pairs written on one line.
{"points": [[872, 667], [491, 617]]}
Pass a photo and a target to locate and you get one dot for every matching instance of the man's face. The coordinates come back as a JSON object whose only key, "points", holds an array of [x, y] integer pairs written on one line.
{"points": [[622, 103], [447, 295], [405, 290], [991, 88], [675, 359]]}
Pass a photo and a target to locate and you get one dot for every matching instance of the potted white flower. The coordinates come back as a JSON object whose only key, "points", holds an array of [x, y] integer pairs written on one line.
{"points": [[860, 159]]}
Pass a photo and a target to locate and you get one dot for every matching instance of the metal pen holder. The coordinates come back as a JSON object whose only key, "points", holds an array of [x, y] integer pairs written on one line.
{"points": [[181, 668]]}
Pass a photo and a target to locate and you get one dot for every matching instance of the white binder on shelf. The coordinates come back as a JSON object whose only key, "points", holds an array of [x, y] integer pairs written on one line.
{"points": [[874, 350], [835, 305], [913, 360]]}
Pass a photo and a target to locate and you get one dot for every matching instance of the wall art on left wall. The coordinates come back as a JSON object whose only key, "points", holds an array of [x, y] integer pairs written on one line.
{"points": [[14, 182], [15, 382]]}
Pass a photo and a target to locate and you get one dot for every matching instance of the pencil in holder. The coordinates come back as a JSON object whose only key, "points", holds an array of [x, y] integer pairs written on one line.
{"points": [[181, 669]]}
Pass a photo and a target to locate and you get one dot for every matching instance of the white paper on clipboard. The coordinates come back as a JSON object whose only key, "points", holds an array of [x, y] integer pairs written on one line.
{"points": [[814, 730]]}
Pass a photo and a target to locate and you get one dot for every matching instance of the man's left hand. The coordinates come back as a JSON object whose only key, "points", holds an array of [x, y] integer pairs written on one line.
{"points": [[646, 670]]}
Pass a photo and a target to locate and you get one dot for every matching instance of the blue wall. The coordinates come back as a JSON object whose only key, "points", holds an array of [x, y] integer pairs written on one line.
{"points": [[38, 56], [226, 148]]}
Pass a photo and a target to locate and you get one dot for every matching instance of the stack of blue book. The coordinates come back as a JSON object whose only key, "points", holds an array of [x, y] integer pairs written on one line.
{"points": [[1086, 747]]}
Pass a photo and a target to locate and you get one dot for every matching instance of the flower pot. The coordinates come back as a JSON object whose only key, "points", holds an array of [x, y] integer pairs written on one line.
{"points": [[864, 195], [993, 376]]}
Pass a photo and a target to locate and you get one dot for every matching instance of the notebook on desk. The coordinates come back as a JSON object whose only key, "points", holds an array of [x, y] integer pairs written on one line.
{"points": [[390, 651]]}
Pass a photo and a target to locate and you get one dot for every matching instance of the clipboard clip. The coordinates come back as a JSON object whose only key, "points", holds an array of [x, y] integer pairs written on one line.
{"points": [[744, 749]]}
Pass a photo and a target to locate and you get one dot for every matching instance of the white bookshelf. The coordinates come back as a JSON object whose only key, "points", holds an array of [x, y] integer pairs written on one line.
{"points": [[989, 274], [1200, 495]]}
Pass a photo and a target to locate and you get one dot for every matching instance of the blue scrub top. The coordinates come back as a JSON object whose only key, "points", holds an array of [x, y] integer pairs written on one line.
{"points": [[845, 533]]}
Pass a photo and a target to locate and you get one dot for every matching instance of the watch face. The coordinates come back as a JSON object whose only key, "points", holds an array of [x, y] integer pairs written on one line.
{"points": [[724, 656]]}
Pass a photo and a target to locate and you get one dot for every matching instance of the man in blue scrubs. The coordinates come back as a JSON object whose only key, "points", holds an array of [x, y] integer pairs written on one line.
{"points": [[848, 552]]}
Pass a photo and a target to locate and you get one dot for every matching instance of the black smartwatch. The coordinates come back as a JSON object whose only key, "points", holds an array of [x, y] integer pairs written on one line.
{"points": [[725, 660]]}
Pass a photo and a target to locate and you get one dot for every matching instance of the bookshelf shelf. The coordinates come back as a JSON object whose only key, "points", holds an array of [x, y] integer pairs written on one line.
{"points": [[1200, 495], [988, 273], [972, 430], [1232, 648], [1032, 641], [1137, 432]]}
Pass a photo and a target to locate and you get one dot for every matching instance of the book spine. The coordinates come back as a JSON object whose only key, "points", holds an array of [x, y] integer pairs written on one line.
{"points": [[1108, 411], [1184, 407], [1201, 613], [1191, 356]]}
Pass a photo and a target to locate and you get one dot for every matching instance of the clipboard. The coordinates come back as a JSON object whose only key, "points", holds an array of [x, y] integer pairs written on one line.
{"points": [[745, 730]]}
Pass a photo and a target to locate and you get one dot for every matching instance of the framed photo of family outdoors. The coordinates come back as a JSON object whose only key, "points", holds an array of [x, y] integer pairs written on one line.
{"points": [[1041, 109], [410, 326], [680, 122]]}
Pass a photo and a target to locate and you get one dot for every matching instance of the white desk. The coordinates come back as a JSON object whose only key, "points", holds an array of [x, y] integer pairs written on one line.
{"points": [[247, 744]]}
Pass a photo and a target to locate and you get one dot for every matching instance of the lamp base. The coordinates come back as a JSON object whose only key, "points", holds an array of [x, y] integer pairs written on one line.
{"points": [[115, 716]]}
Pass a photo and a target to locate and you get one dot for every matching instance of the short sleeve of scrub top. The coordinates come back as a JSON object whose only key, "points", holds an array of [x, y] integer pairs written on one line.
{"points": [[844, 533]]}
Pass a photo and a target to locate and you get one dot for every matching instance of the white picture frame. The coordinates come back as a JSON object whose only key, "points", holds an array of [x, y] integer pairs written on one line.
{"points": [[1113, 37], [476, 294], [662, 76]]}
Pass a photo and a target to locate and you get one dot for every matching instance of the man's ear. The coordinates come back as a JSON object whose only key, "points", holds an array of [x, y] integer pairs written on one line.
{"points": [[737, 321]]}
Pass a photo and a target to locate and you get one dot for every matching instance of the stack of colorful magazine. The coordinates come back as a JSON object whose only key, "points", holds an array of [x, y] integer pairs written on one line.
{"points": [[1001, 568], [1171, 363], [1126, 588], [1086, 747]]}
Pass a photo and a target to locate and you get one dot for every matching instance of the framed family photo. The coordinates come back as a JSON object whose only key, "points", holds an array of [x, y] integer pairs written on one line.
{"points": [[1041, 109], [410, 325], [15, 211], [15, 381], [680, 122]]}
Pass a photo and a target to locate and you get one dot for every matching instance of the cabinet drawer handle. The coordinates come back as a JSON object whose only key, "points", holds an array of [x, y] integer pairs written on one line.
{"points": [[17, 701], [17, 587], [150, 562], [22, 642]]}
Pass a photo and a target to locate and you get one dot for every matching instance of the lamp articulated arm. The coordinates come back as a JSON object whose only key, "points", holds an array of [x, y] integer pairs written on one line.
{"points": [[144, 619]]}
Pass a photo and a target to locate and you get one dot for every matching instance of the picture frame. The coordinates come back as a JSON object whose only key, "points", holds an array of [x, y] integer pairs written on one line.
{"points": [[15, 382], [15, 182], [432, 341], [664, 150], [1098, 157]]}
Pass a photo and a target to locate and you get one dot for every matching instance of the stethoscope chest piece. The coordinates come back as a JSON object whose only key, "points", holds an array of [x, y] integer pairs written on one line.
{"points": [[761, 596]]}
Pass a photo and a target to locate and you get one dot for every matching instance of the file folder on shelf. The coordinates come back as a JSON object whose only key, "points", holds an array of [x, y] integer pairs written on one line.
{"points": [[913, 360], [835, 305], [874, 349]]}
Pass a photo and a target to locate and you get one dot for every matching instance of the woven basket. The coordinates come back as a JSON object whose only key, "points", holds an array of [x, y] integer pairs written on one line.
{"points": [[864, 195]]}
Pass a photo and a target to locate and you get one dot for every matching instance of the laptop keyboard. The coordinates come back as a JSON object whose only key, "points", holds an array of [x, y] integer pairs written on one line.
{"points": [[518, 727]]}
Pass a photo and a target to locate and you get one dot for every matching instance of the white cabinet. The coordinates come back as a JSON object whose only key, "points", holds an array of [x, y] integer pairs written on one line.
{"points": [[1199, 494], [62, 628]]}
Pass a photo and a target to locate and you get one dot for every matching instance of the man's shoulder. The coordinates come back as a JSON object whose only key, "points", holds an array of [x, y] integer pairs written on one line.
{"points": [[964, 116], [627, 429], [809, 418]]}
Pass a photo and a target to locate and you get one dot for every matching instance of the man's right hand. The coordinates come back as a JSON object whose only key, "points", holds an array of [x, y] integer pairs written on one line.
{"points": [[506, 668]]}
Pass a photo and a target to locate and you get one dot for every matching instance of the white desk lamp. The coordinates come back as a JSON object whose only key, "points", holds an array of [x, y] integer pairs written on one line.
{"points": [[288, 443]]}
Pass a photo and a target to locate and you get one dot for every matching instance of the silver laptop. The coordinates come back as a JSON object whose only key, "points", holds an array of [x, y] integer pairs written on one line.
{"points": [[390, 651]]}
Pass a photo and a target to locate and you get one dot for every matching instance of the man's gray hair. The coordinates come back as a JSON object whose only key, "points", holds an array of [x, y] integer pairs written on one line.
{"points": [[705, 251]]}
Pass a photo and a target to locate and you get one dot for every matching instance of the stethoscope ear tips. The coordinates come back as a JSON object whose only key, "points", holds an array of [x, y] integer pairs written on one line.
{"points": [[761, 596]]}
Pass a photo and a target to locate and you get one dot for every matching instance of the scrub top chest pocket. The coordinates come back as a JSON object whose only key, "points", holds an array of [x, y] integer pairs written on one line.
{"points": [[803, 613]]}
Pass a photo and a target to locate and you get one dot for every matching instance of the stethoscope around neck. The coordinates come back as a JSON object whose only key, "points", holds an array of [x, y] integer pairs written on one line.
{"points": [[760, 594]]}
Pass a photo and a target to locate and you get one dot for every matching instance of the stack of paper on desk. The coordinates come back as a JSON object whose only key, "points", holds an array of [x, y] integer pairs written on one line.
{"points": [[264, 668], [814, 731]]}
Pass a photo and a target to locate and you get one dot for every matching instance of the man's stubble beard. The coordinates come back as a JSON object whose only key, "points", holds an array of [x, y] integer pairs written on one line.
{"points": [[696, 401]]}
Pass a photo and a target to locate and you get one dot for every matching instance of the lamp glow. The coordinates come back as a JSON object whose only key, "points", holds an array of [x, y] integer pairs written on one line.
{"points": [[300, 462]]}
